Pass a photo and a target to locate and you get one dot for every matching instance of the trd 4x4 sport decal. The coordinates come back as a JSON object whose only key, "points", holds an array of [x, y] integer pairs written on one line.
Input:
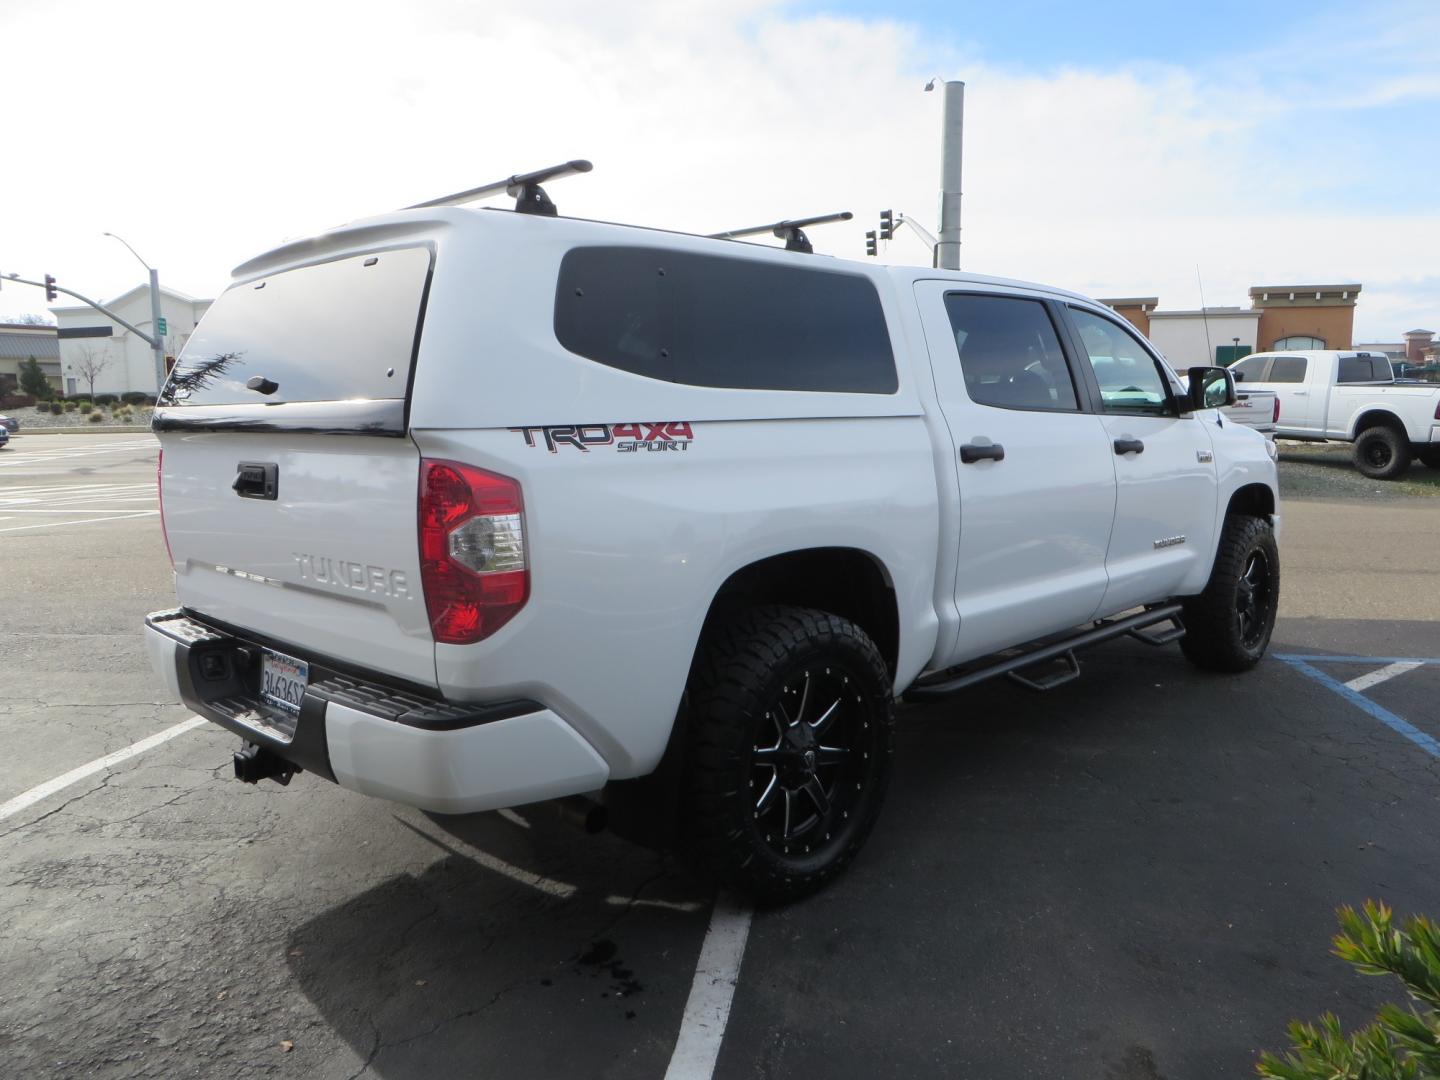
{"points": [[663, 435]]}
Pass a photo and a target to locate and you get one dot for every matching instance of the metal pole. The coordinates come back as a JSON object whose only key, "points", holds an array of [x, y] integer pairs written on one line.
{"points": [[947, 251], [157, 339]]}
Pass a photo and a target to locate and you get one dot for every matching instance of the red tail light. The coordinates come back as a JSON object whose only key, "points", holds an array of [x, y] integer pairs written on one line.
{"points": [[473, 564], [160, 497], [1275, 419]]}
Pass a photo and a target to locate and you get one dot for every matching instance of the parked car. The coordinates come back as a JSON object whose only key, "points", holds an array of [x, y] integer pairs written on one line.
{"points": [[4, 436], [1347, 396], [10, 424], [469, 509], [1256, 409]]}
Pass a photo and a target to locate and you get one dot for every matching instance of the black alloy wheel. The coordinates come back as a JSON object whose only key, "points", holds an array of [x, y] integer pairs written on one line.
{"points": [[1252, 599], [1228, 626], [1381, 453], [807, 766], [788, 749], [1378, 454]]}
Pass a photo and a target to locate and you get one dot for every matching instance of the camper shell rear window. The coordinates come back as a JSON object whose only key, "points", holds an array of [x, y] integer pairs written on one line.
{"points": [[710, 320], [344, 330]]}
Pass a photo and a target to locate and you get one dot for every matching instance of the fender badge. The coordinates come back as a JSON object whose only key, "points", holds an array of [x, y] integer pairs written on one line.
{"points": [[1204, 456], [1169, 541]]}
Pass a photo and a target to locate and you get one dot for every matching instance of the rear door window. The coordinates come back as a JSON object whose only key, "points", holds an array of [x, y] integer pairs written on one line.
{"points": [[709, 320], [1010, 353], [1287, 369], [344, 330]]}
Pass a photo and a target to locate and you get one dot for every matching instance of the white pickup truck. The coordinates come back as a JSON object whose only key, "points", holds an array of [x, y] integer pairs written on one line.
{"points": [[469, 509], [1348, 396]]}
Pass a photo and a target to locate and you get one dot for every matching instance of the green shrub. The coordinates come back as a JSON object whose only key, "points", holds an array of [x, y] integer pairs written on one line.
{"points": [[1403, 1043], [42, 406], [132, 397], [106, 399], [71, 406], [96, 417], [85, 406]]}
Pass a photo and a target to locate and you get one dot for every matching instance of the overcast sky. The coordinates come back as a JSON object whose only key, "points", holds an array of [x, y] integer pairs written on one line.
{"points": [[1111, 149]]}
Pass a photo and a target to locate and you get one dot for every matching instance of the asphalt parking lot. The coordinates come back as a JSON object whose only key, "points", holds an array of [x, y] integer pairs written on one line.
{"points": [[1129, 878]]}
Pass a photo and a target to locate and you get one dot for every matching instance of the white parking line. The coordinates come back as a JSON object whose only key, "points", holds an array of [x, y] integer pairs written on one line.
{"points": [[86, 521], [708, 1008], [29, 798], [32, 456], [1389, 671]]}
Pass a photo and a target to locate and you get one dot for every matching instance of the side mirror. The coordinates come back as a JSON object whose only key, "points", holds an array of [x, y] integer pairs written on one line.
{"points": [[1239, 375], [1210, 388]]}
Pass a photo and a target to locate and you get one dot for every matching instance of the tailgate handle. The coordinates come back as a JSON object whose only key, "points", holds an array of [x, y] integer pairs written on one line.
{"points": [[257, 480]]}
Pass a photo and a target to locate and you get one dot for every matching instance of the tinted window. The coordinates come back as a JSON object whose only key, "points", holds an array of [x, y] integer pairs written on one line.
{"points": [[707, 320], [335, 331], [1363, 369], [1009, 352], [1288, 369], [1130, 381], [1252, 368]]}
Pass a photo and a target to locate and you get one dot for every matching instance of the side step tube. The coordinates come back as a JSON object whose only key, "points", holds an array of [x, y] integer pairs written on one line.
{"points": [[1012, 665]]}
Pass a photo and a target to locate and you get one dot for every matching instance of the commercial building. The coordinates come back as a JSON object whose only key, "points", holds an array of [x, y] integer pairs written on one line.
{"points": [[1279, 317], [94, 344], [18, 343], [1213, 335]]}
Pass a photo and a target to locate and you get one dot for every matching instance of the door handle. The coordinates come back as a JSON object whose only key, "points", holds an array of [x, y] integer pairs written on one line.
{"points": [[1299, 393], [971, 452], [1129, 446]]}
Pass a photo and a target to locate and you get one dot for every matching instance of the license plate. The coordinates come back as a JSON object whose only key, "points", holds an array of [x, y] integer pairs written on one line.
{"points": [[283, 679]]}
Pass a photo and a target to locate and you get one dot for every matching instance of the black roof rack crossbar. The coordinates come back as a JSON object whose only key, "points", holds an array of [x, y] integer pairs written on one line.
{"points": [[530, 197], [792, 232]]}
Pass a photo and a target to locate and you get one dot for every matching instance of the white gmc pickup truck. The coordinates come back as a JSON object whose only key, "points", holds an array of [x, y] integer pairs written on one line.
{"points": [[1350, 397], [473, 508]]}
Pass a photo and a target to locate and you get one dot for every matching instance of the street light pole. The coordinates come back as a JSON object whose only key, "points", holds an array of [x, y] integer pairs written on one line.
{"points": [[157, 340], [947, 251]]}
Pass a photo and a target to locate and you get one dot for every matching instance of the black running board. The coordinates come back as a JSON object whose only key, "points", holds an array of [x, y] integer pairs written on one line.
{"points": [[947, 682]]}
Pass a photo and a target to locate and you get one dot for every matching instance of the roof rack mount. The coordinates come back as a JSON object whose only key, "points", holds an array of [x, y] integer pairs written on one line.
{"points": [[524, 188], [791, 231]]}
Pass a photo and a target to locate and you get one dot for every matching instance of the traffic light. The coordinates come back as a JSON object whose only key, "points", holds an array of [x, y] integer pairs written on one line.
{"points": [[887, 224], [870, 246], [50, 293]]}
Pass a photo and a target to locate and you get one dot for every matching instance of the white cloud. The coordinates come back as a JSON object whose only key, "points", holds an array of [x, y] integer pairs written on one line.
{"points": [[205, 133]]}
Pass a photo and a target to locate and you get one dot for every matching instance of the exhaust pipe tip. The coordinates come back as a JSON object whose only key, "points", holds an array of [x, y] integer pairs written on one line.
{"points": [[584, 813]]}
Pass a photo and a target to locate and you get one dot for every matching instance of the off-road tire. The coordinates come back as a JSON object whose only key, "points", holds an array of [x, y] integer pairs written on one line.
{"points": [[1381, 453], [746, 688], [1218, 637], [1429, 456]]}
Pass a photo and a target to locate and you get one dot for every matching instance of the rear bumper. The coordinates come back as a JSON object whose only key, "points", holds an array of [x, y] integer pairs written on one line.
{"points": [[373, 737]]}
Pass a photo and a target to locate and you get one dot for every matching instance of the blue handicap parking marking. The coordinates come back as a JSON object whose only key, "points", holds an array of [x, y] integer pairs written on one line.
{"points": [[1306, 665]]}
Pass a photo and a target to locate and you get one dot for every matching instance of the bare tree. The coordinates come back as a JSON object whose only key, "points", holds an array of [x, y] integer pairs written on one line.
{"points": [[28, 320], [90, 362]]}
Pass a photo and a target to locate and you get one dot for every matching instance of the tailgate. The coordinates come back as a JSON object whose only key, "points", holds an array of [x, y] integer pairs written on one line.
{"points": [[288, 483]]}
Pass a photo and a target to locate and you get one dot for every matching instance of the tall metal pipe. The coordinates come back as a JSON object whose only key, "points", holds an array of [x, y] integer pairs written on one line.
{"points": [[947, 251]]}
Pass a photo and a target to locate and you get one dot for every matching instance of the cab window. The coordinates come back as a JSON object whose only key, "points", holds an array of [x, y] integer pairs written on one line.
{"points": [[1010, 353], [1129, 377]]}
